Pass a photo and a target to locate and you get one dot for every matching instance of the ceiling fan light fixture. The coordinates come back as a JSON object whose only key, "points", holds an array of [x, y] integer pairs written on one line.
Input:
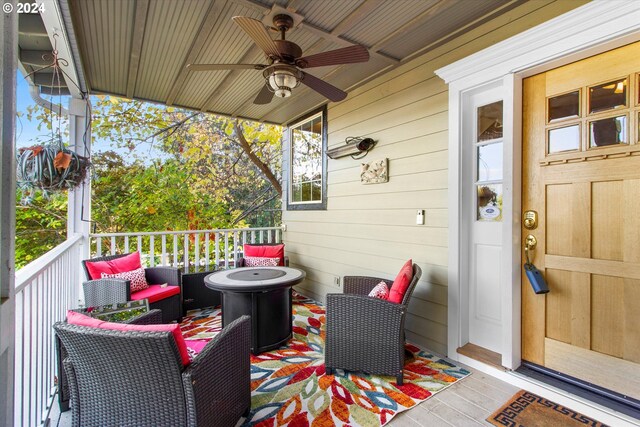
{"points": [[282, 80]]}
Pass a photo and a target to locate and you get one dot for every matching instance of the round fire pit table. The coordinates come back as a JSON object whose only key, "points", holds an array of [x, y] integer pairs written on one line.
{"points": [[264, 293]]}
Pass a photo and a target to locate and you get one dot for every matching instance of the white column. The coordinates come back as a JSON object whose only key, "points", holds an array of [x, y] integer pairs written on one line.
{"points": [[79, 209], [8, 64]]}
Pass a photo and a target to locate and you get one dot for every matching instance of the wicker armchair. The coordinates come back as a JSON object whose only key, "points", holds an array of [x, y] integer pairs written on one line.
{"points": [[111, 291], [152, 317], [137, 378], [364, 333]]}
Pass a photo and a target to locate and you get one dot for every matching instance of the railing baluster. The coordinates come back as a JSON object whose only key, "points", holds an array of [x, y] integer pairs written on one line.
{"points": [[278, 239], [261, 236], [113, 245], [126, 244], [99, 246], [175, 250], [197, 253], [207, 251], [164, 249], [139, 248], [152, 251], [186, 253], [226, 250], [253, 236], [235, 249], [217, 249]]}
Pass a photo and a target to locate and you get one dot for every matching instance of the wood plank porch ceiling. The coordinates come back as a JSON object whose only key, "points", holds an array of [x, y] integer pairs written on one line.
{"points": [[139, 48]]}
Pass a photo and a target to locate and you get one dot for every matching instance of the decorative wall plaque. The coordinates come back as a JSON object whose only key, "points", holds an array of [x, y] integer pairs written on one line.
{"points": [[375, 172]]}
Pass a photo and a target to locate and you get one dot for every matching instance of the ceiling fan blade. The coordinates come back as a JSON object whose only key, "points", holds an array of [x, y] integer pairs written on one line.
{"points": [[322, 87], [264, 96], [255, 29], [213, 67], [345, 55]]}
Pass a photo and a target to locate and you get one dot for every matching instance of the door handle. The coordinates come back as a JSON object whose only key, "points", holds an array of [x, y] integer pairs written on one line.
{"points": [[530, 243]]}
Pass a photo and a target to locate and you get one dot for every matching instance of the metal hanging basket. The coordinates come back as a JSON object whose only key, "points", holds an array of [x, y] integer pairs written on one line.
{"points": [[49, 168]]}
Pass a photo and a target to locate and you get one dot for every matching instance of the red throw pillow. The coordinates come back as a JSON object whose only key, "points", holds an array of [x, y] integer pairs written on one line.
{"points": [[271, 251], [400, 285], [79, 319], [128, 262]]}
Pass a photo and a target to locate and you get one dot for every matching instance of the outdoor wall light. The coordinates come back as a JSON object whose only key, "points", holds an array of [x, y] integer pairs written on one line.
{"points": [[354, 147]]}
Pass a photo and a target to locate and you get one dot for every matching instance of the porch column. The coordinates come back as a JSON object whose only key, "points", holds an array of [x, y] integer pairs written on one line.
{"points": [[79, 208], [8, 64]]}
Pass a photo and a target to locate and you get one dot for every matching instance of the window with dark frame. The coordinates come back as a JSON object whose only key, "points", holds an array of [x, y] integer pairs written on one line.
{"points": [[307, 138]]}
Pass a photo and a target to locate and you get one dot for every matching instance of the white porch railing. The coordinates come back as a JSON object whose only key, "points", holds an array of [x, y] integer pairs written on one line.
{"points": [[45, 290], [193, 250]]}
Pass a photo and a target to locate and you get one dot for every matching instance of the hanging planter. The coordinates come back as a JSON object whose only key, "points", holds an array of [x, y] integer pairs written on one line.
{"points": [[49, 168]]}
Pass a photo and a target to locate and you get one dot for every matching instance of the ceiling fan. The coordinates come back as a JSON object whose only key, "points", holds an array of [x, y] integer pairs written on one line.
{"points": [[285, 61]]}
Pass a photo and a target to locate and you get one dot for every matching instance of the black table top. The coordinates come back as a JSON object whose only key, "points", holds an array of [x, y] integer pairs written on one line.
{"points": [[251, 279]]}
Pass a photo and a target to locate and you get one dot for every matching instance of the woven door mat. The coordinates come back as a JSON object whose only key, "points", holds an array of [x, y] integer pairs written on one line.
{"points": [[529, 410]]}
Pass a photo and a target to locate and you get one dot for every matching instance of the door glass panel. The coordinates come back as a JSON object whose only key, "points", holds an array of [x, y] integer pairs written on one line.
{"points": [[564, 139], [564, 106], [490, 162], [608, 96], [489, 202], [490, 121], [609, 131]]}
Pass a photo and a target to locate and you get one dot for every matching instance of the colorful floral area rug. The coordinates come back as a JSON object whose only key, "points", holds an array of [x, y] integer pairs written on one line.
{"points": [[290, 388]]}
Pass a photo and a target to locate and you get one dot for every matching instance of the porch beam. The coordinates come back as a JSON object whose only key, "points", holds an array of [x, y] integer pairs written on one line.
{"points": [[54, 22], [8, 63], [209, 22], [139, 24], [79, 204]]}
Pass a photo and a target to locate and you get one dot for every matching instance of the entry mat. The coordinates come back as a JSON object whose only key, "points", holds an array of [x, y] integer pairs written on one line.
{"points": [[530, 410]]}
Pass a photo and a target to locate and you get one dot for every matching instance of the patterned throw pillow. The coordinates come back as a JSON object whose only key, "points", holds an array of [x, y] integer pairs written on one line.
{"points": [[257, 261], [137, 278], [380, 291]]}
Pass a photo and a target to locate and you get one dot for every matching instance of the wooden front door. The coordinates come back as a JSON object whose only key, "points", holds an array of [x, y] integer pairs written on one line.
{"points": [[581, 174]]}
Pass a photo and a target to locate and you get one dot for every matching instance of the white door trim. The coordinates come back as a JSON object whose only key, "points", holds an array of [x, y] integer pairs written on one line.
{"points": [[588, 30]]}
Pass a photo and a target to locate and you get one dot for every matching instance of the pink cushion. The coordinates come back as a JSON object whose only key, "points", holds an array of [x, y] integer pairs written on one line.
{"points": [[275, 251], [381, 291], [194, 347], [119, 265], [257, 261], [400, 285], [156, 292], [74, 318], [137, 278]]}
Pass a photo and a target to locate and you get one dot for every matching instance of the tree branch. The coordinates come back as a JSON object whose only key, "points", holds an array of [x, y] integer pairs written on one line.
{"points": [[246, 147]]}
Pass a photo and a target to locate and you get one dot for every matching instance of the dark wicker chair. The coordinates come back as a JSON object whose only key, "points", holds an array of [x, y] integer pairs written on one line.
{"points": [[364, 333], [111, 291], [152, 317], [137, 379]]}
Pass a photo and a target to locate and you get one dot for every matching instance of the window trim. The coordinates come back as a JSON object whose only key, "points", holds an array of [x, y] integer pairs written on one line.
{"points": [[322, 204]]}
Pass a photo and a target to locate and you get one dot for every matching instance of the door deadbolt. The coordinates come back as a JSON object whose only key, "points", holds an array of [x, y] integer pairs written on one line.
{"points": [[530, 220]]}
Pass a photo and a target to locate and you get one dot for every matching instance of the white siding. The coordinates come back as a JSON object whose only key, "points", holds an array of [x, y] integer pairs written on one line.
{"points": [[371, 229]]}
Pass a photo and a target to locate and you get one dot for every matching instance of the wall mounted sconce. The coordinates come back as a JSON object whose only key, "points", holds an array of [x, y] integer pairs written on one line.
{"points": [[354, 147]]}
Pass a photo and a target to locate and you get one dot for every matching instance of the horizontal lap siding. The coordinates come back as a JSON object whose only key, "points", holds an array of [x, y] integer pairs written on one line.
{"points": [[370, 229]]}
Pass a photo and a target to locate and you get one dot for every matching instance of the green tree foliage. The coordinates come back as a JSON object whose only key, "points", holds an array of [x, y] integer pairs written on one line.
{"points": [[207, 172], [40, 226]]}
